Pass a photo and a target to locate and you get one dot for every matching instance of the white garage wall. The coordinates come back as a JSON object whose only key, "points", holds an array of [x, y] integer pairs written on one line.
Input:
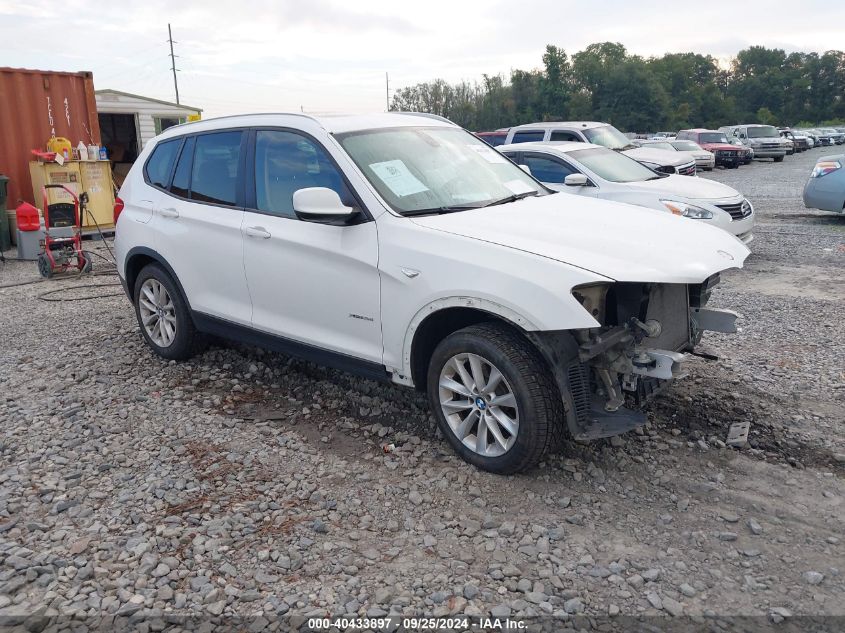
{"points": [[114, 102]]}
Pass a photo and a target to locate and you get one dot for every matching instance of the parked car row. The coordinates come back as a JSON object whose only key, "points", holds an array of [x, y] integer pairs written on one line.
{"points": [[402, 248]]}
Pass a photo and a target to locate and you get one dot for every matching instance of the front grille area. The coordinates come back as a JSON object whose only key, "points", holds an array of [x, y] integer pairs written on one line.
{"points": [[771, 146], [737, 211], [725, 153], [687, 170]]}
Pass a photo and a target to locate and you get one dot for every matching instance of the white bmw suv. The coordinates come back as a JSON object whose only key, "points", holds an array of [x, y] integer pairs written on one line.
{"points": [[402, 248]]}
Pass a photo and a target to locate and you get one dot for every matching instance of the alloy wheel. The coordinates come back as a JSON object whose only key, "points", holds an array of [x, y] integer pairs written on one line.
{"points": [[478, 404], [158, 314]]}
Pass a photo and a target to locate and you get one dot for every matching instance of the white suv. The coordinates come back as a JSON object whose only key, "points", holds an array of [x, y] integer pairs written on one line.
{"points": [[403, 248]]}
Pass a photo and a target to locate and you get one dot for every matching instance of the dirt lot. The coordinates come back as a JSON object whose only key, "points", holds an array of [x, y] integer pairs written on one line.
{"points": [[252, 484]]}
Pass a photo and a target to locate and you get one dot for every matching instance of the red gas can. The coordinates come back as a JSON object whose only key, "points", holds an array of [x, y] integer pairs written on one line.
{"points": [[27, 217]]}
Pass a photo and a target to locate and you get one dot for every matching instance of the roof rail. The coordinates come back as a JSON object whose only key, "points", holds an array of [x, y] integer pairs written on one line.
{"points": [[232, 116], [428, 115]]}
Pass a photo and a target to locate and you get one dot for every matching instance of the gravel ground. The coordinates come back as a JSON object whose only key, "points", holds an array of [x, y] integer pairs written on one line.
{"points": [[246, 483]]}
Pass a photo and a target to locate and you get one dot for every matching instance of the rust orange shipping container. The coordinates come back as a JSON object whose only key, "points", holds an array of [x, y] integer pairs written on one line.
{"points": [[35, 105]]}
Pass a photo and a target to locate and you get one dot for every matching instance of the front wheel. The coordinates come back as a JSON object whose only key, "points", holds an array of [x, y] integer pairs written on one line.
{"points": [[778, 159], [494, 398], [163, 315]]}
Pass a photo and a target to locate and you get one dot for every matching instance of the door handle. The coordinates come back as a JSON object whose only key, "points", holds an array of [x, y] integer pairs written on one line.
{"points": [[169, 212], [257, 231]]}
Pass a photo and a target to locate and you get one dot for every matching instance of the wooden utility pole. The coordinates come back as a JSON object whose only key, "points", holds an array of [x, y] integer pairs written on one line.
{"points": [[387, 91], [173, 61]]}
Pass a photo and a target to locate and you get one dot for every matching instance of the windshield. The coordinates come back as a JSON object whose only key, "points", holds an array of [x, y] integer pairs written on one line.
{"points": [[712, 137], [612, 166], [762, 131], [608, 136], [430, 169], [686, 146], [660, 145]]}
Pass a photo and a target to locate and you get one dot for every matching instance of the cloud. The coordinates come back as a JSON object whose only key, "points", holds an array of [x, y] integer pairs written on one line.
{"points": [[331, 55]]}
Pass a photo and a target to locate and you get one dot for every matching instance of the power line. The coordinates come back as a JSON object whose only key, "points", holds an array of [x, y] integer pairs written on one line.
{"points": [[173, 62]]}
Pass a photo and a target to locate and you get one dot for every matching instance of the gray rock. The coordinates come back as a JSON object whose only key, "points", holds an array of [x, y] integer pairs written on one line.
{"points": [[470, 591], [688, 590], [813, 577], [755, 527], [673, 607], [574, 605]]}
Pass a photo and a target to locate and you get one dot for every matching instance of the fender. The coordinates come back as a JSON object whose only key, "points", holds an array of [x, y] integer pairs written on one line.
{"points": [[402, 375], [154, 255]]}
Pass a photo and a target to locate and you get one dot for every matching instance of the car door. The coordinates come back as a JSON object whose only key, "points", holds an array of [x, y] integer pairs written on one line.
{"points": [[198, 220], [315, 284]]}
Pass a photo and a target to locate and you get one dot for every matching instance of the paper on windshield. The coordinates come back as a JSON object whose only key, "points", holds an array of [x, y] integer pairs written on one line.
{"points": [[517, 187], [396, 175], [488, 153]]}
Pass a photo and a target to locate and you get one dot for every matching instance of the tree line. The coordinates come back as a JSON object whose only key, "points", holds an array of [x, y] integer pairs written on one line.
{"points": [[676, 91]]}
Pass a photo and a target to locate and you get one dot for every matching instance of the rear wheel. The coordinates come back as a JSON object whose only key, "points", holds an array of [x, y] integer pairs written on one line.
{"points": [[778, 159], [494, 398], [44, 267], [163, 315]]}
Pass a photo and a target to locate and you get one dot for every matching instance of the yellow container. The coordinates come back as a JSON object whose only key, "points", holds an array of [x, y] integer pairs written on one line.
{"points": [[61, 146]]}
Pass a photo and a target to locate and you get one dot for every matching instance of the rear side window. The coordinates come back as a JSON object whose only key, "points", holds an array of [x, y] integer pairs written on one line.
{"points": [[160, 165], [286, 162], [181, 185], [559, 135], [528, 136], [214, 177]]}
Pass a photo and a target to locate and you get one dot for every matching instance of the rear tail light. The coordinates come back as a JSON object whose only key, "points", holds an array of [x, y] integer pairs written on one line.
{"points": [[823, 168], [118, 207]]}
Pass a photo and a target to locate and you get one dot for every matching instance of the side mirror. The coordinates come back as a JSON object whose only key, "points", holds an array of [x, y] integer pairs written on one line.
{"points": [[526, 169], [320, 204], [576, 180]]}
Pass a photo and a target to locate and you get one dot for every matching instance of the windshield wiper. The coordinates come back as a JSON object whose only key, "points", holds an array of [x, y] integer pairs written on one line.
{"points": [[443, 209], [513, 198]]}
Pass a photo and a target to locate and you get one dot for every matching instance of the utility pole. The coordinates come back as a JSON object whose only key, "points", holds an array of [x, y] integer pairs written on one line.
{"points": [[387, 91], [173, 61]]}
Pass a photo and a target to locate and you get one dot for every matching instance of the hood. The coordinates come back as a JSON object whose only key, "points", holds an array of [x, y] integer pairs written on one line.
{"points": [[618, 241], [658, 156], [712, 147], [676, 186]]}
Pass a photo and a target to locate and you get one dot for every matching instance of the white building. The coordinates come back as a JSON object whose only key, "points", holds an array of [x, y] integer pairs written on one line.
{"points": [[128, 121]]}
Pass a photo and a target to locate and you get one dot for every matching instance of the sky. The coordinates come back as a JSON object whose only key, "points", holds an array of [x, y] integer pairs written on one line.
{"points": [[323, 56]]}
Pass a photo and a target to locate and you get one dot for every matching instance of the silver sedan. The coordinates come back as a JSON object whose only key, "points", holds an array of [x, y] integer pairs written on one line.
{"points": [[825, 188]]}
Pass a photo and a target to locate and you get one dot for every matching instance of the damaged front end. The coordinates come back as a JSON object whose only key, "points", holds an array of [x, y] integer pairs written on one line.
{"points": [[647, 332]]}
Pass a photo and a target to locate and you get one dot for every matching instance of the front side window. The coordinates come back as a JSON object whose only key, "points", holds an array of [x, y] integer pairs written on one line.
{"points": [[529, 136], [612, 166], [435, 169], [286, 162], [214, 177], [548, 169], [160, 165]]}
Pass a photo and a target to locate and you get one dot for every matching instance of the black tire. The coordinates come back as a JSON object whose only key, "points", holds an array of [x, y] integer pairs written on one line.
{"points": [[188, 341], [778, 159], [538, 399], [44, 268]]}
